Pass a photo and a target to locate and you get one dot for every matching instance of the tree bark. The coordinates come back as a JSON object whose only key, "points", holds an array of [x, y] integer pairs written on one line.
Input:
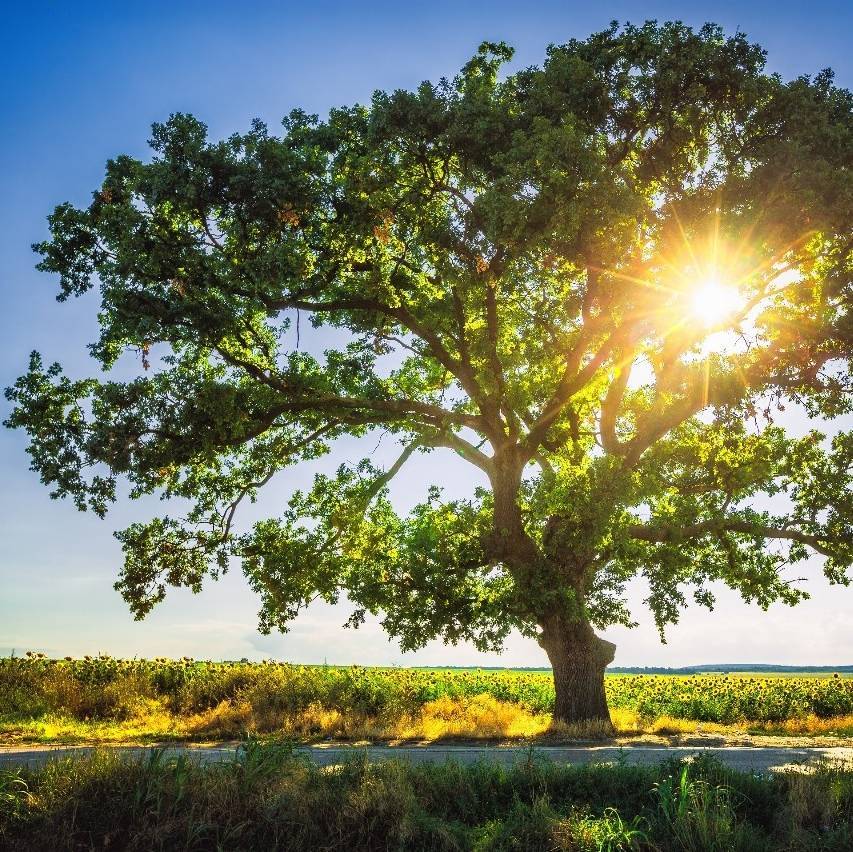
{"points": [[578, 658]]}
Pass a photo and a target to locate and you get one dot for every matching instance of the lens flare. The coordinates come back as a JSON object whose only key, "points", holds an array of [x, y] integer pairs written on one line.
{"points": [[713, 303]]}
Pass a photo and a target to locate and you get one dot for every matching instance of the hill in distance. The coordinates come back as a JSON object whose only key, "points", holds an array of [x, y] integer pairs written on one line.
{"points": [[714, 668]]}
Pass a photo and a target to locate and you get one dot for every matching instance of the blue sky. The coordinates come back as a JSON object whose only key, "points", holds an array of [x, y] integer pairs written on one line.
{"points": [[82, 82]]}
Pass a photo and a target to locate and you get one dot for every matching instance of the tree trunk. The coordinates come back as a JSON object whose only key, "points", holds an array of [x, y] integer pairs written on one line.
{"points": [[578, 658]]}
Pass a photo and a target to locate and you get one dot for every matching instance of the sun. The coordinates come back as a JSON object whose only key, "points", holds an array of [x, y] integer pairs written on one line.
{"points": [[712, 302]]}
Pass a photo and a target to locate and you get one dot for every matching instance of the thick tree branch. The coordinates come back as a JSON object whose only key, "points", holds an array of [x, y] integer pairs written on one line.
{"points": [[724, 525], [298, 399], [610, 409], [574, 379], [457, 367], [462, 447], [493, 333], [388, 475]]}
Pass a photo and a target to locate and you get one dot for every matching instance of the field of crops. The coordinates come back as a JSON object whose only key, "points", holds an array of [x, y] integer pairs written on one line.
{"points": [[108, 688]]}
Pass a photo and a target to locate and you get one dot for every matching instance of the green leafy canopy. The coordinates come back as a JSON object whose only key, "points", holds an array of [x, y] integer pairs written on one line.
{"points": [[509, 263]]}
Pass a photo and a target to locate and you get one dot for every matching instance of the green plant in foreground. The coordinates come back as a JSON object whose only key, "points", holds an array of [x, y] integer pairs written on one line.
{"points": [[697, 814], [270, 798], [14, 795], [611, 833]]}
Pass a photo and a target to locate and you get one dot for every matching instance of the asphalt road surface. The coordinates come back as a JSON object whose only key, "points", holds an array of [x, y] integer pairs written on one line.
{"points": [[744, 758]]}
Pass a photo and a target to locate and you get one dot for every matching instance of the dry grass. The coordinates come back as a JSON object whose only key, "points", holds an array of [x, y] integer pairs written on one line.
{"points": [[812, 725], [230, 719], [152, 725], [480, 717], [629, 722]]}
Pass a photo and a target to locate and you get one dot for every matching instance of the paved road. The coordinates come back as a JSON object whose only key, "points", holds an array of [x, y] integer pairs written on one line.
{"points": [[749, 758]]}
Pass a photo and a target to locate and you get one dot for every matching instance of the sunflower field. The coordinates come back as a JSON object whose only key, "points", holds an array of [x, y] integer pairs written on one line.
{"points": [[104, 687]]}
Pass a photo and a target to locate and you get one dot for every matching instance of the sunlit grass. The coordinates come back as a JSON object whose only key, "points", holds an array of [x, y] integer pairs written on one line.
{"points": [[480, 717], [811, 725]]}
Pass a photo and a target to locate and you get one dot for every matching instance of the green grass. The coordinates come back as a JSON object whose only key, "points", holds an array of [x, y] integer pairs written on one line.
{"points": [[269, 798]]}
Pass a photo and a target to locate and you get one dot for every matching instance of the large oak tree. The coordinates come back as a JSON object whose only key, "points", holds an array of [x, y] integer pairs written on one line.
{"points": [[597, 281]]}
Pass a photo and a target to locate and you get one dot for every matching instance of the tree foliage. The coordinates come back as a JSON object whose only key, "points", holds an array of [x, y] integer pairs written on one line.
{"points": [[508, 263]]}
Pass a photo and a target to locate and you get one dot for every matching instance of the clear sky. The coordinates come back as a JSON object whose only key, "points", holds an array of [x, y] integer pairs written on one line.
{"points": [[82, 82]]}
